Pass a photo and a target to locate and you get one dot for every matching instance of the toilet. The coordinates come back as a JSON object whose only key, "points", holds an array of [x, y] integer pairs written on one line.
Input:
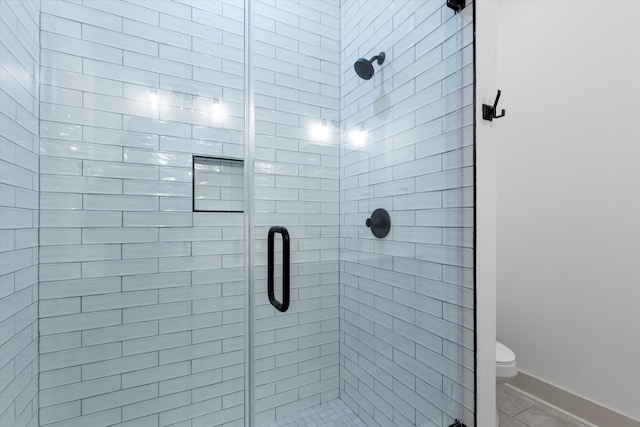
{"points": [[506, 368]]}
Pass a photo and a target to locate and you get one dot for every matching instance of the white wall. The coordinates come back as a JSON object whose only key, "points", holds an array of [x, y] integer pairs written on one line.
{"points": [[569, 195], [486, 213]]}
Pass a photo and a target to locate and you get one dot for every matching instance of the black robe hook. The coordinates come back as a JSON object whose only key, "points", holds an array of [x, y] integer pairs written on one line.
{"points": [[489, 112]]}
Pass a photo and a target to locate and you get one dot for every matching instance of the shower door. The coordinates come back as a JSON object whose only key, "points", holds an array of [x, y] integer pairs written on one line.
{"points": [[384, 324], [296, 189], [406, 299], [145, 124]]}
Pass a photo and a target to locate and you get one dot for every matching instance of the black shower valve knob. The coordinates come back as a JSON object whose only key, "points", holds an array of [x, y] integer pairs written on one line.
{"points": [[379, 222]]}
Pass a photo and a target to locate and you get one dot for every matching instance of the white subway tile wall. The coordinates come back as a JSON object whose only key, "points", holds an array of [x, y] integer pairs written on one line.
{"points": [[406, 301], [141, 299], [19, 142], [297, 102]]}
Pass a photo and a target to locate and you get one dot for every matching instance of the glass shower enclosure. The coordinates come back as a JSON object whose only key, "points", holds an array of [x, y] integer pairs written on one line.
{"points": [[201, 178]]}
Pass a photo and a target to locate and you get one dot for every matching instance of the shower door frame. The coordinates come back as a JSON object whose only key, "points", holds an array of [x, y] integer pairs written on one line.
{"points": [[484, 167], [249, 207]]}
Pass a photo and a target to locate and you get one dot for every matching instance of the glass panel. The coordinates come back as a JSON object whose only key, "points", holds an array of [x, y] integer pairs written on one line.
{"points": [[405, 346], [139, 303], [407, 147], [141, 300], [296, 176]]}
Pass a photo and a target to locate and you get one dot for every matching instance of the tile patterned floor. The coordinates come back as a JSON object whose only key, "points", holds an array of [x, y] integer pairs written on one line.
{"points": [[514, 409], [517, 410], [331, 414]]}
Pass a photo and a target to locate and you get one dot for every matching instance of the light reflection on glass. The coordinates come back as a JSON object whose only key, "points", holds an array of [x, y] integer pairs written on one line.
{"points": [[358, 137], [320, 131], [217, 111], [163, 159]]}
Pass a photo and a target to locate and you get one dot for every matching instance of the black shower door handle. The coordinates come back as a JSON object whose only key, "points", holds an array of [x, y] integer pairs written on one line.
{"points": [[284, 305]]}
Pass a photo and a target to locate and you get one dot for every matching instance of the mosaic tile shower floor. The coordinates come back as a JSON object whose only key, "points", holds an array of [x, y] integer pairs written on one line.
{"points": [[331, 414], [514, 408]]}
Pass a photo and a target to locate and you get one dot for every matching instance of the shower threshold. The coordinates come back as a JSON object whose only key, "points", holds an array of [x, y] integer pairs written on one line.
{"points": [[334, 413]]}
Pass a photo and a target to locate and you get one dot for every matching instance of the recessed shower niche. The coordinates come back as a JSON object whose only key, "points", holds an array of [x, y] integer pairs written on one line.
{"points": [[218, 184]]}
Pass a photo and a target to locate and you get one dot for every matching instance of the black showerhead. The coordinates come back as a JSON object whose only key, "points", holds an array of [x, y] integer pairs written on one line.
{"points": [[364, 67]]}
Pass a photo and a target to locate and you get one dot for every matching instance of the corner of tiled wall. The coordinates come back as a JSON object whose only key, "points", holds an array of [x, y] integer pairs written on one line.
{"points": [[19, 180]]}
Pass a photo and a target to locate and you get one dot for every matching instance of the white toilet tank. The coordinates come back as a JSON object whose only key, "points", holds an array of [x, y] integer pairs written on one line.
{"points": [[505, 363]]}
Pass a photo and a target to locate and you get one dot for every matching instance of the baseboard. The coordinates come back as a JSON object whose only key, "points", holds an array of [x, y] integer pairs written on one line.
{"points": [[571, 403]]}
